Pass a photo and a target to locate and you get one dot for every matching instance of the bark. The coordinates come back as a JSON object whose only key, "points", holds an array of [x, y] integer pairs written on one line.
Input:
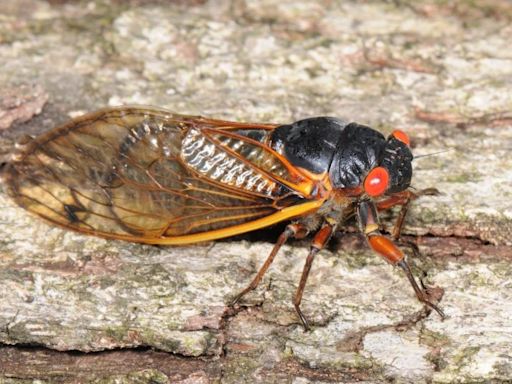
{"points": [[81, 309]]}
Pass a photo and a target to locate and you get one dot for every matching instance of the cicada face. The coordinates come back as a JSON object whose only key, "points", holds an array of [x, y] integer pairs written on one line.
{"points": [[397, 160]]}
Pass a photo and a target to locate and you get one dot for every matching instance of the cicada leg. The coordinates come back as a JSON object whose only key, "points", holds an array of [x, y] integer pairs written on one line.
{"points": [[368, 219], [297, 231], [320, 240], [404, 199]]}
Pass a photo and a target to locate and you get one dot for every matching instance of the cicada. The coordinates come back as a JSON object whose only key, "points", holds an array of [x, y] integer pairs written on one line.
{"points": [[148, 175]]}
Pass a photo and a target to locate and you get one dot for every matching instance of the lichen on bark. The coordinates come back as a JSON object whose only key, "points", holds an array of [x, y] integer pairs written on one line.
{"points": [[439, 70]]}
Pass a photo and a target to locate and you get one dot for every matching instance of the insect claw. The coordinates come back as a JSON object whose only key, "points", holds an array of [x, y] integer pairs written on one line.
{"points": [[423, 294], [237, 298], [439, 311], [429, 192], [233, 302], [425, 299], [427, 293], [303, 320], [431, 305]]}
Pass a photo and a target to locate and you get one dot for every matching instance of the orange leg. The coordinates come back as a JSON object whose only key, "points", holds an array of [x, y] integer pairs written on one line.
{"points": [[319, 242], [399, 198], [403, 198], [297, 231], [368, 218]]}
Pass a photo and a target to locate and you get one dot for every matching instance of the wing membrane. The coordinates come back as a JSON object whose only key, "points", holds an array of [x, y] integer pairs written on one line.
{"points": [[122, 173]]}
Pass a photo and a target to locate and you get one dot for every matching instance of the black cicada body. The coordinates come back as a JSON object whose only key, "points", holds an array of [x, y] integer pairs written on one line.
{"points": [[148, 175]]}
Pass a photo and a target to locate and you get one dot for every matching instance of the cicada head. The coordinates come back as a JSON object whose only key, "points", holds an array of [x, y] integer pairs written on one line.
{"points": [[397, 160], [367, 163], [393, 171]]}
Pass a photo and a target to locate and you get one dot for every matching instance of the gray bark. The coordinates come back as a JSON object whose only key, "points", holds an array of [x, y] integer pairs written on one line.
{"points": [[81, 309]]}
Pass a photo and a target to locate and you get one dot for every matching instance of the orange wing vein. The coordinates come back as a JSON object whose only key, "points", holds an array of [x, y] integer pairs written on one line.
{"points": [[147, 175]]}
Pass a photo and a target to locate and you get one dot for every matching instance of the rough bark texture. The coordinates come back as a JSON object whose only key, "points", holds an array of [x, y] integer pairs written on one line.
{"points": [[81, 309]]}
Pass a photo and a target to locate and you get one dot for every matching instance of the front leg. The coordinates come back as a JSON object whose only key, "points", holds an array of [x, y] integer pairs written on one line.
{"points": [[369, 223], [403, 199]]}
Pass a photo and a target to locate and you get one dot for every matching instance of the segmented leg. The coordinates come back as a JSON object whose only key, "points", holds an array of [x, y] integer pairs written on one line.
{"points": [[403, 199], [297, 231], [319, 242], [368, 219]]}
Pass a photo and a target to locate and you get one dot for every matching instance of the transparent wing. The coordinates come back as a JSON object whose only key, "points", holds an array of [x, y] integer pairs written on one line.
{"points": [[147, 175]]}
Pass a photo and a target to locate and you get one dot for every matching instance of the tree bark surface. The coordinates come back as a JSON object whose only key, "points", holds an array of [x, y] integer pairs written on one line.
{"points": [[75, 308]]}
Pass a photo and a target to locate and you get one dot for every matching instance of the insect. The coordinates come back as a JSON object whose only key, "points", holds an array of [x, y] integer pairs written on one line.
{"points": [[147, 175]]}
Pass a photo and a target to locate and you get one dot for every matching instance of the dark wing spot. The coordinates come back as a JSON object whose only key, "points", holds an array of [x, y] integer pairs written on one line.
{"points": [[71, 212]]}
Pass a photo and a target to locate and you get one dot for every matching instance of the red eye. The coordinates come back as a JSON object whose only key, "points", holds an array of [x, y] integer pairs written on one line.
{"points": [[376, 182], [402, 136]]}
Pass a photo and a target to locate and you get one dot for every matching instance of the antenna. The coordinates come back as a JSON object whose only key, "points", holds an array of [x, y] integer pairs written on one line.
{"points": [[433, 153]]}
